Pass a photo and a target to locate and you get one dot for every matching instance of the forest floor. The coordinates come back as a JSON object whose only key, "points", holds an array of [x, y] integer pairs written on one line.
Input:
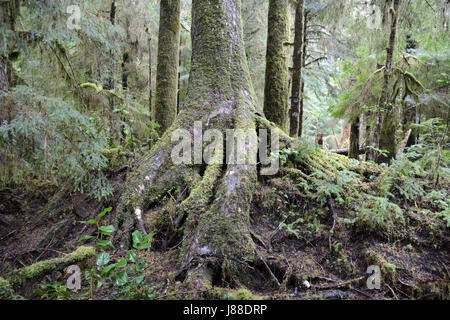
{"points": [[302, 258]]}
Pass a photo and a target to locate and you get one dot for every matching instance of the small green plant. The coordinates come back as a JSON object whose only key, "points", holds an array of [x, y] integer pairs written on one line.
{"points": [[55, 291], [129, 277], [380, 216], [91, 275], [126, 274]]}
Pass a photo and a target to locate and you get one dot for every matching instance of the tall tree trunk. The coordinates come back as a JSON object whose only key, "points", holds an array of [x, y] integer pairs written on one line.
{"points": [[297, 73], [111, 82], [276, 89], [302, 88], [179, 76], [383, 108], [150, 92], [3, 80], [409, 117], [214, 214], [353, 151], [167, 70]]}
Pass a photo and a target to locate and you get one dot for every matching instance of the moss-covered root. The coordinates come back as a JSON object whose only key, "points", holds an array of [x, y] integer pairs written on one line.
{"points": [[6, 291], [19, 277]]}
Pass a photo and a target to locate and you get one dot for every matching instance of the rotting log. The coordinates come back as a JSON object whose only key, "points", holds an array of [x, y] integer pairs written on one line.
{"points": [[19, 277]]}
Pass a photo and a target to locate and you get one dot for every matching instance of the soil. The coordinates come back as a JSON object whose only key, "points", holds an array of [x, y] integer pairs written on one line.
{"points": [[44, 224]]}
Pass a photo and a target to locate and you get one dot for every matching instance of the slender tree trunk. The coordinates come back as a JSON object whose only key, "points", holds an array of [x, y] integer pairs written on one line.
{"points": [[3, 80], [179, 76], [276, 89], [383, 107], [353, 151], [150, 92], [409, 117], [302, 89], [167, 70], [111, 82], [297, 73], [127, 59], [215, 212]]}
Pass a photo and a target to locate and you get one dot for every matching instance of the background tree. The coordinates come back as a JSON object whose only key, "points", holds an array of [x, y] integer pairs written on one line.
{"points": [[383, 108], [167, 73], [276, 88], [295, 120]]}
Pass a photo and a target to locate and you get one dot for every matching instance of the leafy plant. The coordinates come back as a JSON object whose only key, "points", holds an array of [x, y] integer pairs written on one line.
{"points": [[380, 216], [54, 291], [126, 274]]}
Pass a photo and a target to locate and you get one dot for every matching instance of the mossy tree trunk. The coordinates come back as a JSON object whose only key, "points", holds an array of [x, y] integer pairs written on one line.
{"points": [[302, 89], [384, 140], [213, 212], [276, 88], [297, 72], [111, 81], [150, 92], [3, 81], [167, 69]]}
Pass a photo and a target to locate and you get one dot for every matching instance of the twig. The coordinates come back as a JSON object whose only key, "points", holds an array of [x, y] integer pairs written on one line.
{"points": [[258, 238], [268, 269], [48, 249], [363, 293], [331, 207], [45, 250], [337, 285], [393, 293], [8, 235]]}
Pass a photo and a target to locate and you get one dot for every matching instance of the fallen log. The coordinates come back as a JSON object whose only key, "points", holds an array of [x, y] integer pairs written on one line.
{"points": [[19, 277], [344, 152]]}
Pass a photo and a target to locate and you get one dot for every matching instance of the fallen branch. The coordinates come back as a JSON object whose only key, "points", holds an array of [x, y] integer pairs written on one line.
{"points": [[337, 285], [274, 279], [344, 152], [333, 213], [19, 277], [403, 144]]}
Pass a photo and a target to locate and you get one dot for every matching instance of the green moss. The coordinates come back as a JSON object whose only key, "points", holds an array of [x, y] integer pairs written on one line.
{"points": [[388, 270], [231, 294], [19, 277], [276, 90], [6, 292], [165, 110]]}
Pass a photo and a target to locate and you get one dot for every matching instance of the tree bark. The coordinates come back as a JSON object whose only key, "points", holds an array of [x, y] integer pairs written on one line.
{"points": [[297, 72], [302, 89], [214, 213], [150, 92], [276, 89], [353, 151], [383, 107], [111, 82], [3, 80], [167, 70]]}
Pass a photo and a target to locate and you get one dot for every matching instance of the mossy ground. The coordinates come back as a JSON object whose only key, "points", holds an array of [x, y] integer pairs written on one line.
{"points": [[290, 226]]}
